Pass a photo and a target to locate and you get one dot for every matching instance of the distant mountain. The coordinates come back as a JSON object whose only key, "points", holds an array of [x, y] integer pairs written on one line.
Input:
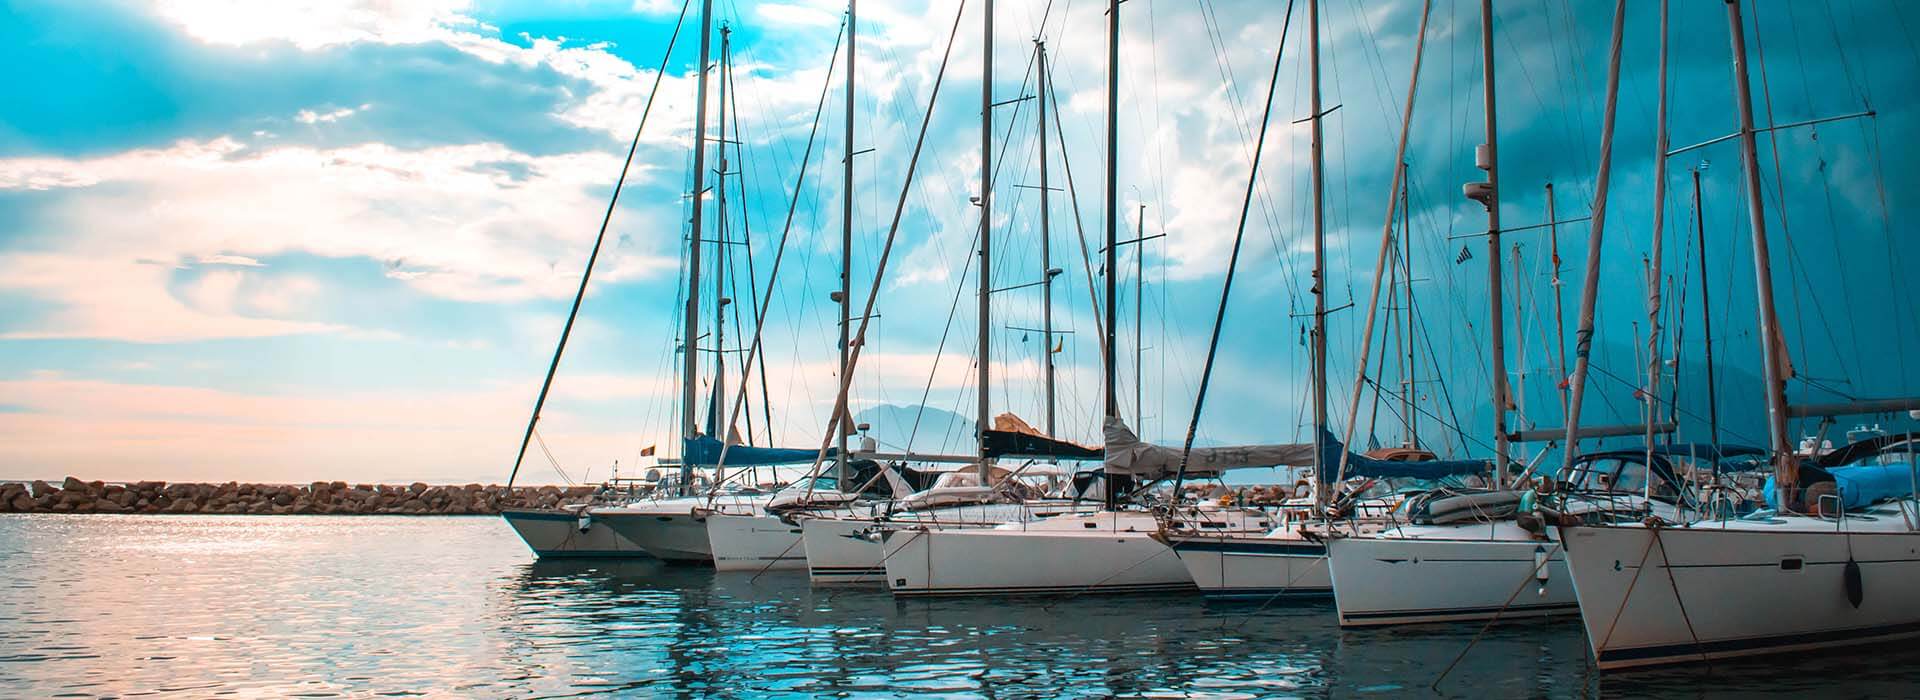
{"points": [[940, 431]]}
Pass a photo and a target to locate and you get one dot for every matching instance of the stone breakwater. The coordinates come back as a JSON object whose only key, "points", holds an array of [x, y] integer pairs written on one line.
{"points": [[317, 498]]}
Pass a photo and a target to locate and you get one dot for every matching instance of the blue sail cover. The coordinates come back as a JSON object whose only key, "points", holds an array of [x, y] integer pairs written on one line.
{"points": [[1368, 467], [1859, 485], [704, 450]]}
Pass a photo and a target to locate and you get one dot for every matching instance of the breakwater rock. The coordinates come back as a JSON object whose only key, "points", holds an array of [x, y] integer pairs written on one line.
{"points": [[317, 498]]}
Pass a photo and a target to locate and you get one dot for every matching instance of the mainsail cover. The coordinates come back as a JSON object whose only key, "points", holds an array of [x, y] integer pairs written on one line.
{"points": [[1012, 437], [1126, 454], [704, 450], [1370, 468]]}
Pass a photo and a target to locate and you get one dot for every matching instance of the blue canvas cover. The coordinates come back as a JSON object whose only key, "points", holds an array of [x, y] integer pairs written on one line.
{"points": [[704, 450], [1859, 485], [1368, 467]]}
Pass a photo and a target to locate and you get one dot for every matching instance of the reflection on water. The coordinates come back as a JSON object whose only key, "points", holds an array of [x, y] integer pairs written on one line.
{"points": [[315, 606]]}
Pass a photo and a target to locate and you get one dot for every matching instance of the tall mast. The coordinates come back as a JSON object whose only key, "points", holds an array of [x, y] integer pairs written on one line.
{"points": [[1659, 238], [1559, 317], [720, 252], [1139, 304], [1112, 208], [690, 378], [1383, 259], [1407, 315], [846, 219], [1590, 285], [984, 353], [1786, 472], [1706, 312], [593, 256], [1046, 238], [1320, 495], [1496, 316]]}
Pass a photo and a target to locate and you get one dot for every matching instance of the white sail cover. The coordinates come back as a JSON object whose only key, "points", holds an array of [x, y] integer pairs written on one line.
{"points": [[1126, 454]]}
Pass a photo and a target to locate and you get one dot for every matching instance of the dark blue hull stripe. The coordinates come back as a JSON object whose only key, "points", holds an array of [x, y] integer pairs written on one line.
{"points": [[594, 554], [1045, 590], [1547, 608], [538, 515], [1265, 593], [1302, 549], [1689, 651]]}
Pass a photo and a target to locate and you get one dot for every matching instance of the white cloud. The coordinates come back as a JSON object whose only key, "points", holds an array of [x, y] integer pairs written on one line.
{"points": [[655, 7], [235, 260], [446, 220], [312, 24], [308, 116], [130, 301]]}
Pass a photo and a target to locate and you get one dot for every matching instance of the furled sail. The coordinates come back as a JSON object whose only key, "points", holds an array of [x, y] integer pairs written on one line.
{"points": [[1126, 454], [1012, 437]]}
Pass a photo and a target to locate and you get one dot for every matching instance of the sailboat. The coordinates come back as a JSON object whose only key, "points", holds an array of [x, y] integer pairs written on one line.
{"points": [[1460, 555], [1475, 555], [1114, 549], [572, 531], [1810, 573], [677, 528]]}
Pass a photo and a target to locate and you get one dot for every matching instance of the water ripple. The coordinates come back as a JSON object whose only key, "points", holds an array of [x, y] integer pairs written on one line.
{"points": [[319, 606]]}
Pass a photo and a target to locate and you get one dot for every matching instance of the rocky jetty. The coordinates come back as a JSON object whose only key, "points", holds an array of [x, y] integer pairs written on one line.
{"points": [[317, 498]]}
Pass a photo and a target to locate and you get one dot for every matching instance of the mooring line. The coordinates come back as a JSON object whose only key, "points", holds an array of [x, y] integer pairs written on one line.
{"points": [[1496, 617]]}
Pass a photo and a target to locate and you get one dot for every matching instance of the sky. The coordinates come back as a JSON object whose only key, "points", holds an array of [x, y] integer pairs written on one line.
{"points": [[304, 240]]}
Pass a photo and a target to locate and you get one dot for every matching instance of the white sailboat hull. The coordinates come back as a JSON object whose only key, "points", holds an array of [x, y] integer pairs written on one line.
{"points": [[1447, 574], [754, 543], [1673, 595], [554, 534], [839, 554], [1096, 553], [673, 530], [1255, 567]]}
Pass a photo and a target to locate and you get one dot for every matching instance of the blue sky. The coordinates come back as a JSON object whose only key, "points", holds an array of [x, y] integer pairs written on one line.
{"points": [[302, 240]]}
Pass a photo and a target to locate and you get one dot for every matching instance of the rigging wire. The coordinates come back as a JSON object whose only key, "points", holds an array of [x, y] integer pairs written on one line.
{"points": [[1233, 259], [773, 276], [587, 274]]}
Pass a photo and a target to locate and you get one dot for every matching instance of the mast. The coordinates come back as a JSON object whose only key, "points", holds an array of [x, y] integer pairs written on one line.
{"points": [[1489, 158], [1112, 207], [846, 220], [1383, 258], [1659, 234], [690, 377], [1559, 315], [1590, 286], [1706, 312], [984, 353], [1773, 352], [586, 275], [720, 257], [1139, 304], [1320, 495], [1407, 315], [1046, 237]]}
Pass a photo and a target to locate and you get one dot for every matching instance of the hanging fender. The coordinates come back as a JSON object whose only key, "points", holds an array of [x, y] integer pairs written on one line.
{"points": [[1540, 563], [1850, 576]]}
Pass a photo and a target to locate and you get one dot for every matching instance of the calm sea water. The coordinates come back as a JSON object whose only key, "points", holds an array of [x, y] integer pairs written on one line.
{"points": [[278, 606]]}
